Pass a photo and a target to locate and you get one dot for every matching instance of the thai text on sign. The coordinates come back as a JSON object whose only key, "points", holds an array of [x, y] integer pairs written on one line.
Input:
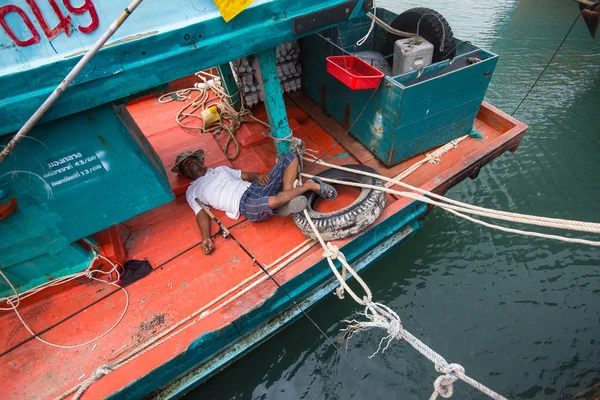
{"points": [[23, 31], [73, 168]]}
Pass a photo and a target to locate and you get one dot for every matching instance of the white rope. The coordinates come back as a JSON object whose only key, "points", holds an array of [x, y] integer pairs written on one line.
{"points": [[192, 319], [460, 210], [430, 158], [203, 101], [14, 300], [381, 316], [388, 28], [362, 40], [450, 204]]}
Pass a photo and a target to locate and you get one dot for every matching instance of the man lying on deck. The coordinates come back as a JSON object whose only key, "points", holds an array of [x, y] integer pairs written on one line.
{"points": [[256, 196]]}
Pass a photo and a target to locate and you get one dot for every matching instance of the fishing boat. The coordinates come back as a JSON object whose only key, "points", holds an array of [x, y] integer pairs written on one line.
{"points": [[91, 186]]}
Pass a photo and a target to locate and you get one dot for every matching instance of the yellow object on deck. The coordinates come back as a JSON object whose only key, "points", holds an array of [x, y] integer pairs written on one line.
{"points": [[230, 8], [210, 115]]}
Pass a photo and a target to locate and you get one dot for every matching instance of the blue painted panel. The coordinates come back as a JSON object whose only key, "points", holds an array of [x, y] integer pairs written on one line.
{"points": [[72, 178], [161, 42]]}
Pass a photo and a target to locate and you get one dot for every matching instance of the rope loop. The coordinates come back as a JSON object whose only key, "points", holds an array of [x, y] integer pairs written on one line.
{"points": [[443, 386]]}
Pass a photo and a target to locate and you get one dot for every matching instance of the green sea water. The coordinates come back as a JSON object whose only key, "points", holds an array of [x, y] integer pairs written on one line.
{"points": [[522, 315]]}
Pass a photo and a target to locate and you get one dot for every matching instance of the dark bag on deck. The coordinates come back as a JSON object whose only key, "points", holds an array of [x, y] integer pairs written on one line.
{"points": [[134, 270]]}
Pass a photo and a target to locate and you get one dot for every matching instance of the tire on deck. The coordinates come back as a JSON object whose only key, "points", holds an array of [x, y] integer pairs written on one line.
{"points": [[351, 219], [430, 28]]}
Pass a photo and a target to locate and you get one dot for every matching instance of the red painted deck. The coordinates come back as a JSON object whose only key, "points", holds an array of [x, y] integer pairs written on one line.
{"points": [[184, 279]]}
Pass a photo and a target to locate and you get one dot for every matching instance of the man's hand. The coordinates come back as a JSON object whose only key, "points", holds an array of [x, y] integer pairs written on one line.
{"points": [[263, 179], [207, 246]]}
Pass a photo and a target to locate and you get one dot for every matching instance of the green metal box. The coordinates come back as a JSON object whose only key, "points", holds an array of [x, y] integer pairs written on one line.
{"points": [[407, 114], [73, 177]]}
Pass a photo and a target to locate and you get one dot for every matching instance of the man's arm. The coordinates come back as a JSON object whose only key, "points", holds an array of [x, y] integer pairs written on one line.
{"points": [[250, 176], [203, 221], [263, 179]]}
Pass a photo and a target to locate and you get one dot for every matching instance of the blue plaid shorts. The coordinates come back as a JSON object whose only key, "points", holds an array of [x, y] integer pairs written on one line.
{"points": [[255, 200]]}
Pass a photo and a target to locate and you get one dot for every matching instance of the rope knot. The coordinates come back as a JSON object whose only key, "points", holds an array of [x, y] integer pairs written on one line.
{"points": [[89, 272], [450, 368], [332, 251], [94, 376], [444, 384], [433, 159], [102, 370]]}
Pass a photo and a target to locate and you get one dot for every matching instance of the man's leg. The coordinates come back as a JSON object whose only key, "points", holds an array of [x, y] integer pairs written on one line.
{"points": [[286, 196], [277, 183], [290, 174]]}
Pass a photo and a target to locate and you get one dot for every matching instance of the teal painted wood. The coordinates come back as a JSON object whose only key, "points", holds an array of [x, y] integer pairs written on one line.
{"points": [[211, 344], [274, 103], [403, 118], [73, 178], [156, 46], [58, 261], [230, 85]]}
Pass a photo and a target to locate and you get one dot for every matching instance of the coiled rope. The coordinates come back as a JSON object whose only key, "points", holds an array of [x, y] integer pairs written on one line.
{"points": [[230, 119]]}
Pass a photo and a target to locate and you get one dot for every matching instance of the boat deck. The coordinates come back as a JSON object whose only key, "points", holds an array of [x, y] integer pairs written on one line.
{"points": [[183, 278]]}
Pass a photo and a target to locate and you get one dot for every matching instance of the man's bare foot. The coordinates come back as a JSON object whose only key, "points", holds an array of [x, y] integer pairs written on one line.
{"points": [[318, 186]]}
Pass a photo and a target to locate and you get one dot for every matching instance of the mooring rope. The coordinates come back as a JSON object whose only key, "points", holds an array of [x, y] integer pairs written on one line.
{"points": [[381, 316], [459, 208], [430, 158]]}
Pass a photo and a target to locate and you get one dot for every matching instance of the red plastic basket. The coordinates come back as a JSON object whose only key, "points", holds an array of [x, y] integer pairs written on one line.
{"points": [[354, 72]]}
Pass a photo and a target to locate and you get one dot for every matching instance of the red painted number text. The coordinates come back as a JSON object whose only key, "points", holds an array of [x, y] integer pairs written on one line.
{"points": [[32, 35]]}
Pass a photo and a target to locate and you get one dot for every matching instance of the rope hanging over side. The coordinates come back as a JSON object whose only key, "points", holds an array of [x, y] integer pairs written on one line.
{"points": [[381, 316]]}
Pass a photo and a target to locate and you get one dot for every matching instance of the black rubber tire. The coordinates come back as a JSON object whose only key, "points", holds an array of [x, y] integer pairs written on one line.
{"points": [[429, 28], [349, 220]]}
